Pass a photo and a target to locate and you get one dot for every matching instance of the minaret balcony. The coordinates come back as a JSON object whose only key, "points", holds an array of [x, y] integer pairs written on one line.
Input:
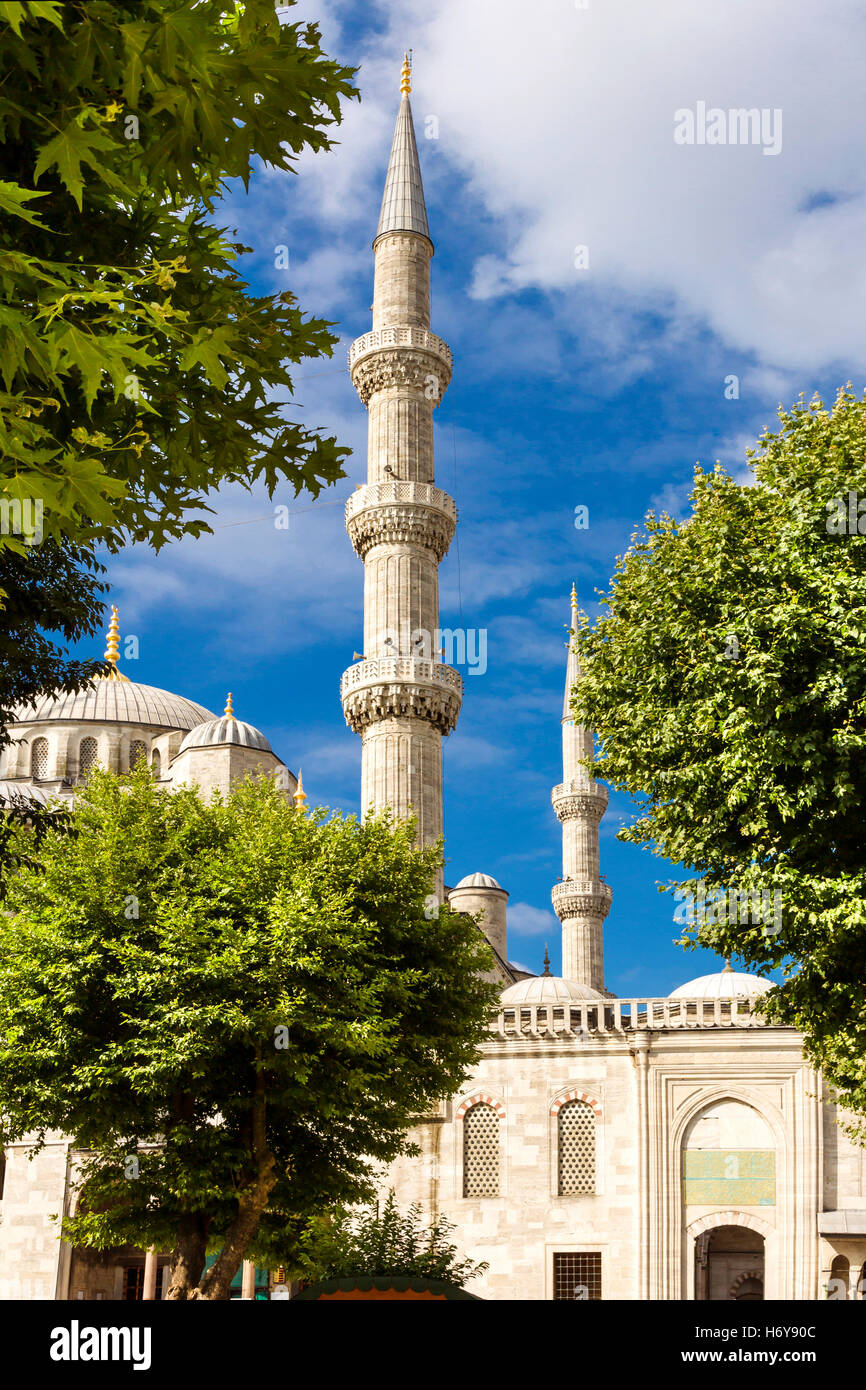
{"points": [[399, 512], [406, 357], [580, 800], [581, 898], [400, 337], [401, 688]]}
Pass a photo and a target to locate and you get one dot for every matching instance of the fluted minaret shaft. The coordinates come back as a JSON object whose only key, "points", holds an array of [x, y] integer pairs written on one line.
{"points": [[400, 697], [582, 899]]}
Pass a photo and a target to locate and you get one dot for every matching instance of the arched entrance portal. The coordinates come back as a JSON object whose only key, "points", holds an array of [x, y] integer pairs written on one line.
{"points": [[729, 1264]]}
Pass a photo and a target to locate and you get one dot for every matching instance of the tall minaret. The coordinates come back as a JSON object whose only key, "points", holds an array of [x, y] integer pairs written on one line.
{"points": [[582, 900], [399, 697]]}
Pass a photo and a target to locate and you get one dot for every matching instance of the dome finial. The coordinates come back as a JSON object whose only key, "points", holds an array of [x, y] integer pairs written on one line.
{"points": [[546, 970], [112, 649], [300, 796], [228, 712], [727, 965], [406, 76]]}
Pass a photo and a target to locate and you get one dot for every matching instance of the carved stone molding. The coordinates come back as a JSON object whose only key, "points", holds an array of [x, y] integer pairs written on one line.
{"points": [[574, 898], [426, 527], [401, 688], [583, 805], [424, 370]]}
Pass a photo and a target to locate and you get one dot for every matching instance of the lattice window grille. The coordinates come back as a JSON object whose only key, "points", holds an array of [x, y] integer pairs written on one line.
{"points": [[39, 758], [481, 1152], [137, 751], [87, 757], [577, 1276], [576, 1148]]}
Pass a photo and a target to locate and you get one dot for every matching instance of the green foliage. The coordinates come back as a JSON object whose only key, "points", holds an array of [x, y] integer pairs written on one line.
{"points": [[137, 374], [727, 685], [234, 1007], [380, 1240]]}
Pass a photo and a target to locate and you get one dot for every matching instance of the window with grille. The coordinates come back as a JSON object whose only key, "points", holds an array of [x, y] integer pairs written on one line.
{"points": [[577, 1276], [86, 757], [156, 763], [39, 758], [137, 751], [576, 1148], [481, 1152]]}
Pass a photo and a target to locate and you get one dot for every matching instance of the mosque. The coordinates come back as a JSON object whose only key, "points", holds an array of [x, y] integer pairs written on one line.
{"points": [[603, 1148]]}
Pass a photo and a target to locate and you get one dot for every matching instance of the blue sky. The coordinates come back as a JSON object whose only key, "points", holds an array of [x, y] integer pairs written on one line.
{"points": [[540, 130]]}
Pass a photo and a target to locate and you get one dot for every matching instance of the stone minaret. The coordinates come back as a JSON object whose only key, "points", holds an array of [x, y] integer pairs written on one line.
{"points": [[582, 900], [399, 697]]}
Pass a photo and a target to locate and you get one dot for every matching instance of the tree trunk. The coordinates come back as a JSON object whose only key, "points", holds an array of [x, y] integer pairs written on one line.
{"points": [[188, 1257], [252, 1202]]}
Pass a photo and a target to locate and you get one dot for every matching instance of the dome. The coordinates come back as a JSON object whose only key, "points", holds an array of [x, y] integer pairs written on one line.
{"points": [[225, 730], [479, 881], [547, 989], [723, 984], [115, 701]]}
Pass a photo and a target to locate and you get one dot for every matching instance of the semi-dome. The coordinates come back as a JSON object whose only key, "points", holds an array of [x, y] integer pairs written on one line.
{"points": [[115, 701], [547, 989], [723, 984], [479, 881]]}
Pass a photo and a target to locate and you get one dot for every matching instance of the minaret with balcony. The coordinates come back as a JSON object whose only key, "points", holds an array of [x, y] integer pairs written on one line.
{"points": [[581, 900], [400, 698]]}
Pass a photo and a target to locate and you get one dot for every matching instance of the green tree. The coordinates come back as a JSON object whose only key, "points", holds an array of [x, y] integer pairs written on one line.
{"points": [[137, 373], [234, 1008], [727, 686], [382, 1240]]}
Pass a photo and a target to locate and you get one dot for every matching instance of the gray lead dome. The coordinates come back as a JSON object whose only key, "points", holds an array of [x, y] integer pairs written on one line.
{"points": [[225, 730]]}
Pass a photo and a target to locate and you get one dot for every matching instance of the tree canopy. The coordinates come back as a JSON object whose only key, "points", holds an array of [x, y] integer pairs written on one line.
{"points": [[727, 687], [137, 371], [235, 1008]]}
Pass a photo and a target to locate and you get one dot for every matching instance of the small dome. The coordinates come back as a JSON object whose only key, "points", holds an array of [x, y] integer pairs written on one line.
{"points": [[226, 730], [479, 881], [723, 984], [115, 701], [547, 989]]}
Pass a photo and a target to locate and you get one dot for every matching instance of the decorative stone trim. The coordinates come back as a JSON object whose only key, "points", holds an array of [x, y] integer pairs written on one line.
{"points": [[399, 337], [742, 1279], [426, 527], [585, 805], [729, 1218], [576, 1095], [425, 371], [401, 688], [576, 898], [479, 1098]]}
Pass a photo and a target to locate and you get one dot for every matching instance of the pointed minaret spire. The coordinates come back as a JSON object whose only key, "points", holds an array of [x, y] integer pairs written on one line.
{"points": [[582, 899], [403, 208], [400, 697]]}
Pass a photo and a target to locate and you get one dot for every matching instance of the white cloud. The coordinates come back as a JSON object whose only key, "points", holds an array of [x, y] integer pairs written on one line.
{"points": [[561, 119], [527, 920]]}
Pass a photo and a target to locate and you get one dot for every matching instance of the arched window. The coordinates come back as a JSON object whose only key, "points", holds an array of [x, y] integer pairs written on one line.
{"points": [[156, 763], [840, 1271], [86, 757], [481, 1152], [137, 751], [39, 758], [576, 1146]]}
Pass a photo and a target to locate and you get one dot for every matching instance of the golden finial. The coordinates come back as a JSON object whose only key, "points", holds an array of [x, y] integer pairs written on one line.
{"points": [[574, 596], [228, 712], [300, 797], [406, 76], [112, 650]]}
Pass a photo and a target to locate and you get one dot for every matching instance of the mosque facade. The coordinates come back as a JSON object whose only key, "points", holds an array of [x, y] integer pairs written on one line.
{"points": [[602, 1148]]}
